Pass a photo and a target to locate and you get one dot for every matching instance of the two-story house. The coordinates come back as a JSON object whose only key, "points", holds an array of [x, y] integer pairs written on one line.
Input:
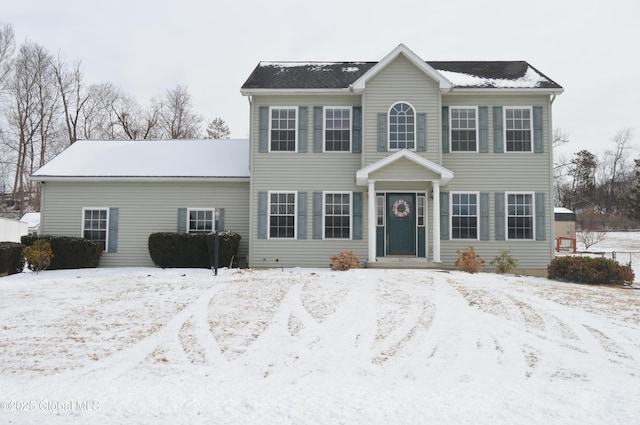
{"points": [[402, 161]]}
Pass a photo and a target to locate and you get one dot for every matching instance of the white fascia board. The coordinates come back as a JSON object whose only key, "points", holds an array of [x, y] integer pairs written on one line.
{"points": [[360, 83], [94, 179], [257, 92], [362, 175]]}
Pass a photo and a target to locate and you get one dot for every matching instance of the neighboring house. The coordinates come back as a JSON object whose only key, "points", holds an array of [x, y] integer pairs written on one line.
{"points": [[119, 192], [402, 161], [33, 222]]}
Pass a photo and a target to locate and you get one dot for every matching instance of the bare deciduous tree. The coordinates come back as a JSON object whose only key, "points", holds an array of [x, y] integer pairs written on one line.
{"points": [[72, 94], [177, 118]]}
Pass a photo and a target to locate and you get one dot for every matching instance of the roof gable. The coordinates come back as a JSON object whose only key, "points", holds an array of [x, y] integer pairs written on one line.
{"points": [[362, 175]]}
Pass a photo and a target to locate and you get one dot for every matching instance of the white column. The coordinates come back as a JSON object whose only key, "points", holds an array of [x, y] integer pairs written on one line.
{"points": [[372, 218], [436, 222]]}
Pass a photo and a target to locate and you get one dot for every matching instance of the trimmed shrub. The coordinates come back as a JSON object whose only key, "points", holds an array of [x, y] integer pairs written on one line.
{"points": [[589, 270], [69, 252], [468, 261], [504, 262], [38, 255], [192, 250], [345, 260], [11, 259]]}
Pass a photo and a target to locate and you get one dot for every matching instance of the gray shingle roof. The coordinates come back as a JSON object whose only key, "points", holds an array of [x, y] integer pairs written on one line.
{"points": [[339, 75]]}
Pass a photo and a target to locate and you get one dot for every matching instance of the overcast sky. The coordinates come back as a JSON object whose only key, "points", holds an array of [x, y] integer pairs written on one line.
{"points": [[148, 46]]}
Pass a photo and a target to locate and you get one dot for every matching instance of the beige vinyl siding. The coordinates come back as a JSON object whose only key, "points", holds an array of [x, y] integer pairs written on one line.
{"points": [[144, 208], [400, 81]]}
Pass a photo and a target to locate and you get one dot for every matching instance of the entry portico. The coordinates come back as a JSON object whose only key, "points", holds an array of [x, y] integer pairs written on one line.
{"points": [[399, 188]]}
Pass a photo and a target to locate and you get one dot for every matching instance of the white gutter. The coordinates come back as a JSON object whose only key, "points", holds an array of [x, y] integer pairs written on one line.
{"points": [[164, 179]]}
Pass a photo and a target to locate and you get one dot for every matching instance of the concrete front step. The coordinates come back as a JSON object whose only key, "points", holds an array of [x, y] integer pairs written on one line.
{"points": [[402, 263]]}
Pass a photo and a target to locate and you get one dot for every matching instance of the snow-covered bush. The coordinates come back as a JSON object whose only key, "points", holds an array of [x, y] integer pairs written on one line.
{"points": [[468, 261]]}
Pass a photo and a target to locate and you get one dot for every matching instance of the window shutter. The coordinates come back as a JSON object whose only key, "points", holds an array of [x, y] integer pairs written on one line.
{"points": [[500, 224], [444, 216], [356, 132], [182, 220], [498, 135], [263, 130], [262, 215], [113, 230], [318, 115], [220, 227], [445, 130], [382, 132], [303, 123], [538, 138], [302, 215], [483, 129], [484, 216], [540, 217], [421, 133], [357, 215], [317, 215]]}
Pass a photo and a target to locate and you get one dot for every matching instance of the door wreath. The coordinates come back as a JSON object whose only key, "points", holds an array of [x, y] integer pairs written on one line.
{"points": [[401, 208]]}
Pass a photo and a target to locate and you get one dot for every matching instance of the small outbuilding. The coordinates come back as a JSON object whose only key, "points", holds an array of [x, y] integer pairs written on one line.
{"points": [[565, 229]]}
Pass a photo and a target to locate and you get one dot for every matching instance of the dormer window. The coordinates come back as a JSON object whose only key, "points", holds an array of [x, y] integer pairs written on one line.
{"points": [[402, 127]]}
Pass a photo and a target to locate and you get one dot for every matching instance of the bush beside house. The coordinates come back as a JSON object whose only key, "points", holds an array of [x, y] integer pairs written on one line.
{"points": [[11, 259], [185, 250], [69, 252]]}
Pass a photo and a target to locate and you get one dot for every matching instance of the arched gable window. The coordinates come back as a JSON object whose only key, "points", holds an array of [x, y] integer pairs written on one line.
{"points": [[402, 126]]}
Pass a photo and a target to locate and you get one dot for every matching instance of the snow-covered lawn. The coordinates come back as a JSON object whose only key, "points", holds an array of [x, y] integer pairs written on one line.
{"points": [[302, 346]]}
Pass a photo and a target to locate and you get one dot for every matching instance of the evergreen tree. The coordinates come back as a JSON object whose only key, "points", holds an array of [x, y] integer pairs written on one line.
{"points": [[218, 129]]}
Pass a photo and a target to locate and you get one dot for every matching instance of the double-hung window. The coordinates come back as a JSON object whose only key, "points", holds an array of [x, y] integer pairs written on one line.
{"points": [[518, 129], [337, 129], [402, 127], [282, 215], [337, 215], [282, 132], [520, 216], [201, 220], [464, 216], [95, 225], [464, 129]]}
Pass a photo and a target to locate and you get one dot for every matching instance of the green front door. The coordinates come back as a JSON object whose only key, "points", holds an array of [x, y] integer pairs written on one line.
{"points": [[401, 224]]}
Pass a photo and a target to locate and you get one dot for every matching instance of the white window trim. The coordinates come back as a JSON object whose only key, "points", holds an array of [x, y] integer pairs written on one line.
{"points": [[324, 213], [384, 209], [533, 215], [424, 206], [504, 127], [295, 214], [213, 210], [451, 108], [295, 108], [106, 238], [324, 128], [464, 192], [415, 127]]}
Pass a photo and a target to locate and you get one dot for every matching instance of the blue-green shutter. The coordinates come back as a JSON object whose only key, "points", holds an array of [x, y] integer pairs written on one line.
{"points": [[113, 230], [357, 215], [182, 220], [500, 217], [220, 227], [540, 217], [444, 216], [421, 132], [483, 129], [303, 123], [538, 138], [263, 129], [302, 215], [498, 134], [318, 115], [484, 216], [356, 133], [445, 129], [317, 215], [382, 132], [262, 215]]}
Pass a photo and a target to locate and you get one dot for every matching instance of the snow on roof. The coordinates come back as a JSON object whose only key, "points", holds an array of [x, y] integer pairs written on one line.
{"points": [[144, 158], [32, 219], [530, 79], [562, 210]]}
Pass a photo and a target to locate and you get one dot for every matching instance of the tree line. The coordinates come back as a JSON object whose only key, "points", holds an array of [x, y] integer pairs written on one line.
{"points": [[46, 105], [603, 190]]}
